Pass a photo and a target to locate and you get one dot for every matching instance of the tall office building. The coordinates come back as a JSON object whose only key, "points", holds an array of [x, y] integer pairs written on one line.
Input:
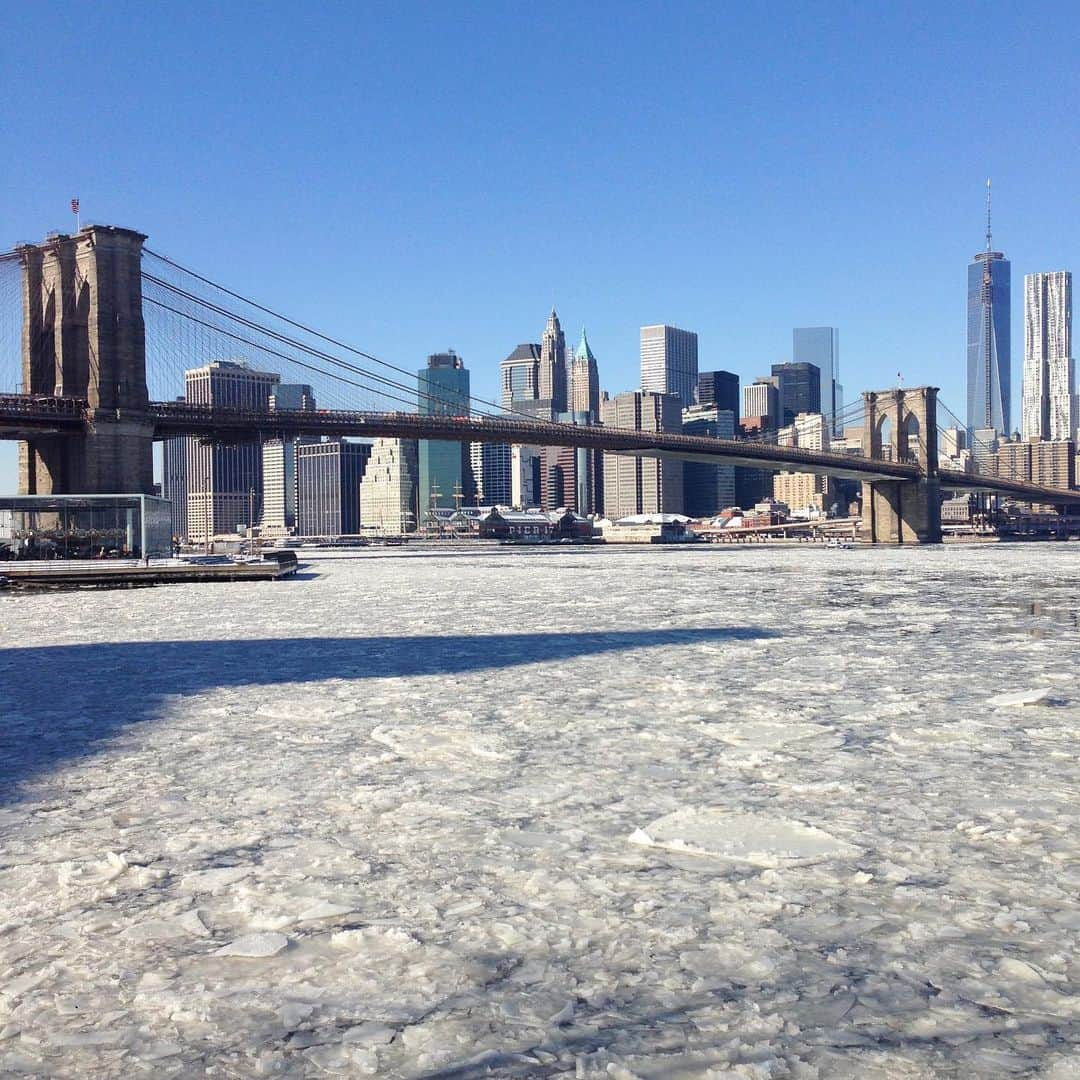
{"points": [[669, 362], [279, 463], [328, 476], [571, 477], [279, 487], [388, 488], [634, 485], [1049, 402], [174, 481], [585, 381], [708, 489], [820, 346], [798, 388], [492, 473], [989, 354], [294, 397], [719, 388], [552, 368], [224, 482], [444, 471], [762, 399], [519, 375]]}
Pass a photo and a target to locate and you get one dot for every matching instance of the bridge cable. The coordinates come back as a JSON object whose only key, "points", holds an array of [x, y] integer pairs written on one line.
{"points": [[309, 350], [292, 360], [316, 333]]}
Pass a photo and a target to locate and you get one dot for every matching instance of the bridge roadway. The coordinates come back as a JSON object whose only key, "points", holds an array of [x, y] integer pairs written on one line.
{"points": [[28, 416], [179, 418]]}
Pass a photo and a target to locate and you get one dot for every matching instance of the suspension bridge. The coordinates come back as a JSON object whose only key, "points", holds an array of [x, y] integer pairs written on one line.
{"points": [[98, 334]]}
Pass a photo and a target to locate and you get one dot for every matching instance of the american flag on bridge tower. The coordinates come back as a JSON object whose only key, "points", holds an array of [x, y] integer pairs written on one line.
{"points": [[74, 206]]}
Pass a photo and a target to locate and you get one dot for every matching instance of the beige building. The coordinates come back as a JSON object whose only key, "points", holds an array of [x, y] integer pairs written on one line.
{"points": [[641, 485], [1051, 464], [799, 490], [388, 490]]}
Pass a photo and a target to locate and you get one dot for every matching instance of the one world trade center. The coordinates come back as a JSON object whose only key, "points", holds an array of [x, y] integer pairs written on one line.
{"points": [[988, 344]]}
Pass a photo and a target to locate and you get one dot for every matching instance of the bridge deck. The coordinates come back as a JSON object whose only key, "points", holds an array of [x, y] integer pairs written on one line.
{"points": [[178, 418], [29, 416]]}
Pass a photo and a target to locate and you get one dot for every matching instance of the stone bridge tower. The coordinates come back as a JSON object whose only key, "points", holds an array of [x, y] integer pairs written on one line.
{"points": [[83, 336], [901, 425]]}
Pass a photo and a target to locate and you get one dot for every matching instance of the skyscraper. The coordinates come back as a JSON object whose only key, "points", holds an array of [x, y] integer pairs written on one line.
{"points": [[1049, 402], [279, 463], [224, 483], [492, 473], [761, 399], [820, 346], [328, 476], [552, 369], [799, 387], [388, 487], [634, 485], [520, 375], [708, 489], [444, 466], [585, 381], [989, 367], [719, 388], [669, 361]]}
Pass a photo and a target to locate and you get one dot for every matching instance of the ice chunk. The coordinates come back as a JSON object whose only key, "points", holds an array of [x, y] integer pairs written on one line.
{"points": [[191, 921], [1042, 696], [325, 910], [743, 838], [212, 880], [267, 943]]}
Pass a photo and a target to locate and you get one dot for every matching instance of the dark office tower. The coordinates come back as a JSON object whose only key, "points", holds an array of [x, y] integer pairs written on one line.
{"points": [[719, 388], [328, 476], [820, 346], [520, 375], [799, 388], [707, 488], [444, 467], [585, 382], [552, 371], [989, 356]]}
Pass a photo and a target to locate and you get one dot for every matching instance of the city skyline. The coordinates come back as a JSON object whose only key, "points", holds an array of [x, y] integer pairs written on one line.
{"points": [[764, 170]]}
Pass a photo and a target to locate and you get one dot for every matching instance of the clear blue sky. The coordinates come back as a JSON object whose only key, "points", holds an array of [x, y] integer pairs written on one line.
{"points": [[416, 176]]}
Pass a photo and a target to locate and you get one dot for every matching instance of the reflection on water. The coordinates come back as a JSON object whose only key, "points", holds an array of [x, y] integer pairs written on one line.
{"points": [[1053, 618]]}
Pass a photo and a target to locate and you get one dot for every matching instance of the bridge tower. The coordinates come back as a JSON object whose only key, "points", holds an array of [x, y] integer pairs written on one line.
{"points": [[901, 424], [83, 336]]}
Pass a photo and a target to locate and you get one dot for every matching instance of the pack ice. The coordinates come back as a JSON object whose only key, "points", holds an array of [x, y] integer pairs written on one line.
{"points": [[621, 813]]}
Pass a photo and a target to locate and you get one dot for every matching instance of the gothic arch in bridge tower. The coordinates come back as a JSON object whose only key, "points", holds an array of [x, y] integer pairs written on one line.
{"points": [[901, 425]]}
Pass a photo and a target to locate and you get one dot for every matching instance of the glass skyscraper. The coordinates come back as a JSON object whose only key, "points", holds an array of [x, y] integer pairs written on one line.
{"points": [[820, 346], [989, 354], [801, 388], [443, 466]]}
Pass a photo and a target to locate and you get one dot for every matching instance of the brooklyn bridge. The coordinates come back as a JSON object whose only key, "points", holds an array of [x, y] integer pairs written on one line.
{"points": [[106, 328]]}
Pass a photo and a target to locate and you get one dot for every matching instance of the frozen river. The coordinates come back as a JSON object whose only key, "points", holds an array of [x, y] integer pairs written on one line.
{"points": [[595, 813]]}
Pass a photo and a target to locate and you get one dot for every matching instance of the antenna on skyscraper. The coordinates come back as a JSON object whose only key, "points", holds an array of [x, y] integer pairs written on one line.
{"points": [[988, 244]]}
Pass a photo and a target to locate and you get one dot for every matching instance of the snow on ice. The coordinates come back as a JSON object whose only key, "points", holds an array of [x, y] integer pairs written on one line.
{"points": [[773, 813]]}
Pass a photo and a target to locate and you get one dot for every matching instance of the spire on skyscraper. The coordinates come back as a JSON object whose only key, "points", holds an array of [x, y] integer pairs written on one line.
{"points": [[552, 369], [988, 243], [583, 351]]}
